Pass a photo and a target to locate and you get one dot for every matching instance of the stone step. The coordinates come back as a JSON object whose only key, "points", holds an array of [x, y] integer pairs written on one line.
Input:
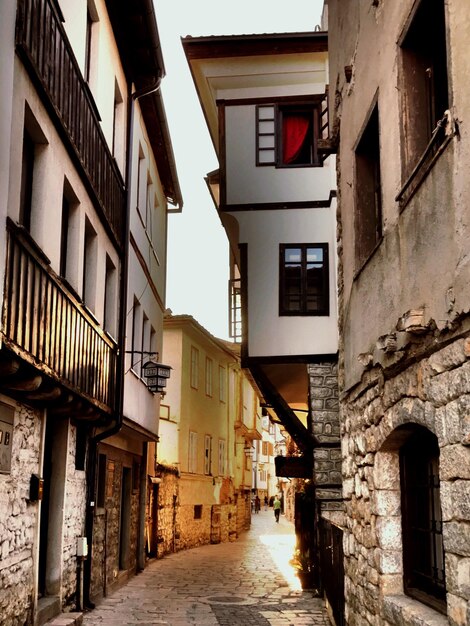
{"points": [[66, 619]]}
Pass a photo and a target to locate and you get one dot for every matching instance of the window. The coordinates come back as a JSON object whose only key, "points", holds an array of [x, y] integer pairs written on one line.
{"points": [[192, 461], [424, 75], [221, 469], [423, 550], [118, 126], [26, 193], [287, 134], [235, 310], [145, 342], [207, 455], [208, 377], [198, 511], [110, 298], [89, 28], [90, 257], [222, 384], [194, 367], [303, 275], [141, 184], [368, 215], [91, 43], [136, 343], [265, 448]]}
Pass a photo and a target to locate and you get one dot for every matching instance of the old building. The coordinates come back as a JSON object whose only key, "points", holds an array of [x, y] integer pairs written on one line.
{"points": [[399, 123], [210, 417], [75, 107], [265, 103]]}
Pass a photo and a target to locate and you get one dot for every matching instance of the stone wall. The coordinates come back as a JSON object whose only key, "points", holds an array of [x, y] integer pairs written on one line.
{"points": [[433, 392], [324, 408], [168, 532], [19, 519]]}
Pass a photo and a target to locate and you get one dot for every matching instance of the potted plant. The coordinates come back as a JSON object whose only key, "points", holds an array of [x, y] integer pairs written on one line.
{"points": [[303, 563]]}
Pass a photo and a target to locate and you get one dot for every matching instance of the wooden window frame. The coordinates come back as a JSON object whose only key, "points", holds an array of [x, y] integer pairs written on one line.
{"points": [[192, 452], [194, 369], [277, 120], [323, 311], [368, 190], [208, 455], [222, 384], [209, 376], [426, 100]]}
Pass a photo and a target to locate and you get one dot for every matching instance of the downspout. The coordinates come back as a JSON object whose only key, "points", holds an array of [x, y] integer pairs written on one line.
{"points": [[119, 413]]}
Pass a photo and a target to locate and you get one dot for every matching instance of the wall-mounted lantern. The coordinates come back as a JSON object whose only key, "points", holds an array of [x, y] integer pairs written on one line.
{"points": [[248, 450], [156, 375]]}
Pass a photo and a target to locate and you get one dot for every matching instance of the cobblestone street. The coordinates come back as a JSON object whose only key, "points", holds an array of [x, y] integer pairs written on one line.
{"points": [[245, 583]]}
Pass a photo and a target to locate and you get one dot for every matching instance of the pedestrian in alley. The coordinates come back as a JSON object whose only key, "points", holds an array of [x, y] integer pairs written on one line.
{"points": [[277, 508], [257, 504], [265, 503]]}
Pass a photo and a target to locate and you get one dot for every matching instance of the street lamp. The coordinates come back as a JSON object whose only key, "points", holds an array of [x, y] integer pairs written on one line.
{"points": [[156, 375], [248, 450]]}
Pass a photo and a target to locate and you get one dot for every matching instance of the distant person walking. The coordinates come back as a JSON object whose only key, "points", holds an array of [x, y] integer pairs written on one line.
{"points": [[265, 503], [257, 504], [277, 508]]}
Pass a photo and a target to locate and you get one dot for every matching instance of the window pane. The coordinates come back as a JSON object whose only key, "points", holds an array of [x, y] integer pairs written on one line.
{"points": [[266, 156], [266, 141], [293, 287], [314, 255], [293, 255], [315, 291], [266, 127], [265, 113]]}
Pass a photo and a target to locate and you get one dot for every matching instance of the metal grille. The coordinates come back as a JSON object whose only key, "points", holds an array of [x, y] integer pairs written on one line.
{"points": [[424, 574]]}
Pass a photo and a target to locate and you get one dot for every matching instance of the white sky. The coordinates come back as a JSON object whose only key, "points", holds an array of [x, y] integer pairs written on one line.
{"points": [[197, 245]]}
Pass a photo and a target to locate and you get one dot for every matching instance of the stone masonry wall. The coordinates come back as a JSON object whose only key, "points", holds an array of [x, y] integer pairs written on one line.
{"points": [[19, 519], [324, 407], [167, 526], [435, 393]]}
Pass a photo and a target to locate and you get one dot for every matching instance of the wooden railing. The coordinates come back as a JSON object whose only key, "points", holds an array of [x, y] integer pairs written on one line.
{"points": [[43, 44], [46, 326]]}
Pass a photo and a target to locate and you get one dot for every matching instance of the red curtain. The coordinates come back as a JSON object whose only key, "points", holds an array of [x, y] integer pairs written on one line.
{"points": [[294, 131]]}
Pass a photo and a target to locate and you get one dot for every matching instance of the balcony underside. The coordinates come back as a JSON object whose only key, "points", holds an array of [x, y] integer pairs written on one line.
{"points": [[285, 390], [53, 352], [32, 386]]}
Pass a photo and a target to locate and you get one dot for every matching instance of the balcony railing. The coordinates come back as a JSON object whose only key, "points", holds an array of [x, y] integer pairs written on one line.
{"points": [[43, 45], [45, 325]]}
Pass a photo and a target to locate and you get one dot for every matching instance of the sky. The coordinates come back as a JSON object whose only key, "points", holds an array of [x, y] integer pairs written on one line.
{"points": [[198, 261]]}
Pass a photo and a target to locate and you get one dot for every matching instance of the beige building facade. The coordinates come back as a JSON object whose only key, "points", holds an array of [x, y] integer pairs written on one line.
{"points": [[209, 417]]}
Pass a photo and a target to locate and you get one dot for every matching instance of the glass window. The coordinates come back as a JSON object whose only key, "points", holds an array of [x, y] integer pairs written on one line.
{"points": [[194, 367], [304, 279]]}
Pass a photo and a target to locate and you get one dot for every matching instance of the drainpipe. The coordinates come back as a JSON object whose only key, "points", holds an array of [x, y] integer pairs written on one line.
{"points": [[94, 441]]}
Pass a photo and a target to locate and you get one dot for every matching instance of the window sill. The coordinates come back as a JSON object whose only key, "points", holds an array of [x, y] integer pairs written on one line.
{"points": [[401, 609], [424, 166]]}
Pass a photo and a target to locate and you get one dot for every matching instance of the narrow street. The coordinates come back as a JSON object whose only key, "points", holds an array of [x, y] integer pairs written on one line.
{"points": [[245, 583]]}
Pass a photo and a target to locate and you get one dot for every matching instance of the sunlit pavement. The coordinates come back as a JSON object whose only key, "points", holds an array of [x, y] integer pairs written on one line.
{"points": [[245, 583]]}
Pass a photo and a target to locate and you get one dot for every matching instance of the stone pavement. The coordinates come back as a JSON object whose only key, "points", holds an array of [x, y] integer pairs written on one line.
{"points": [[245, 583]]}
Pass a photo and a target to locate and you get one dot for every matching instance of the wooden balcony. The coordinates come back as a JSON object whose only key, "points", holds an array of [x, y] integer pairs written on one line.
{"points": [[52, 334], [42, 44]]}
